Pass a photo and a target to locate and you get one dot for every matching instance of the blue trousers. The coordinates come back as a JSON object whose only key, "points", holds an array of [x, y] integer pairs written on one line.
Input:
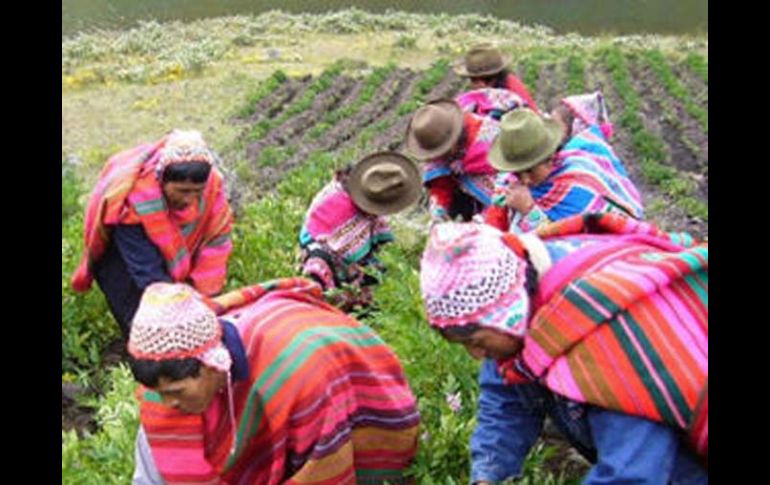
{"points": [[624, 449]]}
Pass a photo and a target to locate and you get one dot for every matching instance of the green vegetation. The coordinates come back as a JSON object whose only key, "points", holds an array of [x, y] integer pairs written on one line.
{"points": [[650, 149], [700, 65], [657, 63]]}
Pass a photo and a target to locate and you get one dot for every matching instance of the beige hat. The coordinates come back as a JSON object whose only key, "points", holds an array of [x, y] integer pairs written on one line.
{"points": [[525, 140], [434, 129], [384, 183], [482, 60]]}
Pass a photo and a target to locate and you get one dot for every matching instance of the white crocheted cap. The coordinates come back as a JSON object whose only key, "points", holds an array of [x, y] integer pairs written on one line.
{"points": [[470, 276], [173, 322], [184, 146]]}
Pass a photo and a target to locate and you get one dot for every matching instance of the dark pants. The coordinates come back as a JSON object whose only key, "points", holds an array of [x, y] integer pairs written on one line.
{"points": [[130, 263]]}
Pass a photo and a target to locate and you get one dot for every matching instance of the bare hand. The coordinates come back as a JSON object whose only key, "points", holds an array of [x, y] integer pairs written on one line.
{"points": [[519, 198]]}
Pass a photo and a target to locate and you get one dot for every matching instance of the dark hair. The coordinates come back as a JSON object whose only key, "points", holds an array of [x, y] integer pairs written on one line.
{"points": [[459, 331], [342, 174], [499, 80], [149, 371], [196, 172], [530, 281], [461, 140]]}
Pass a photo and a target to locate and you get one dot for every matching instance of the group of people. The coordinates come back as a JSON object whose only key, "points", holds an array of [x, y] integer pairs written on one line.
{"points": [[538, 261]]}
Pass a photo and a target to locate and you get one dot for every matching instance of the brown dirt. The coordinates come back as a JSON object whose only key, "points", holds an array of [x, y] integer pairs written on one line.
{"points": [[293, 128], [597, 76], [691, 157], [276, 102], [296, 129], [272, 104], [73, 415], [694, 84], [654, 105], [551, 84], [393, 137], [560, 84], [672, 218], [567, 461], [391, 94], [383, 103]]}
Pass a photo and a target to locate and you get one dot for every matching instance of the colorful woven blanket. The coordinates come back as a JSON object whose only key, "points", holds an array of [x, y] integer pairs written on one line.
{"points": [[326, 401], [489, 102], [469, 171], [128, 192], [514, 84], [334, 221], [588, 178], [624, 324]]}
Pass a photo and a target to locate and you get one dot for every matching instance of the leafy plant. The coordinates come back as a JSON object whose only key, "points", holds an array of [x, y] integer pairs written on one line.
{"points": [[106, 456]]}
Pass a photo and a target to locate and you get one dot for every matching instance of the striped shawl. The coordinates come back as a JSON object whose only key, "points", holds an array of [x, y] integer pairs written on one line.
{"points": [[624, 324], [128, 192], [326, 401]]}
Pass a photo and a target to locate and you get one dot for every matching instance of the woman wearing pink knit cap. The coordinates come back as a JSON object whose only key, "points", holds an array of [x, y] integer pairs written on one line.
{"points": [[159, 212], [599, 321], [265, 385]]}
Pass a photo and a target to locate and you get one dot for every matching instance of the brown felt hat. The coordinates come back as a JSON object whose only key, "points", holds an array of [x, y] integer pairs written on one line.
{"points": [[434, 129], [384, 183], [482, 60]]}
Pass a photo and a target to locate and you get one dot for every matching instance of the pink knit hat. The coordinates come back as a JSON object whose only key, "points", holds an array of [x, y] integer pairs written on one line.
{"points": [[184, 146], [470, 275], [173, 322]]}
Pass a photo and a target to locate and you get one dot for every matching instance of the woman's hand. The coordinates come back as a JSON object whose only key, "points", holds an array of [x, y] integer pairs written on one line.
{"points": [[519, 198]]}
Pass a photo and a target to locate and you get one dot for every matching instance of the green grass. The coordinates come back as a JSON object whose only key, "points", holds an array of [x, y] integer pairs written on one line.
{"points": [[430, 78], [87, 327], [107, 456], [700, 65], [531, 74], [71, 191], [265, 89], [576, 74], [659, 65], [274, 156]]}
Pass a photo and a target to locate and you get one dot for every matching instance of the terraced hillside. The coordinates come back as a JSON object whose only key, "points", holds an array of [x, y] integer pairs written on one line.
{"points": [[659, 107]]}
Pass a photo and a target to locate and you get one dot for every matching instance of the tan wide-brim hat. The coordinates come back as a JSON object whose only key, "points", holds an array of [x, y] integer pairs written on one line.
{"points": [[525, 140], [384, 183], [482, 60], [434, 129]]}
